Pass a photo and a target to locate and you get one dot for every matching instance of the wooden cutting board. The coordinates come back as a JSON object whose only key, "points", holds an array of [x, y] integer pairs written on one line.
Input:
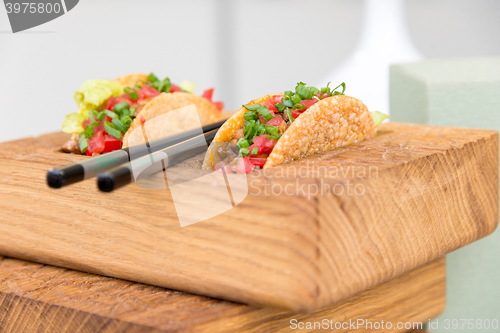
{"points": [[432, 190], [39, 298]]}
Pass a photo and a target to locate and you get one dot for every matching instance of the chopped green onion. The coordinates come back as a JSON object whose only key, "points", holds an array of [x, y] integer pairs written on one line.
{"points": [[273, 131], [120, 125], [131, 93], [289, 114], [296, 99], [334, 92], [280, 107], [100, 115], [250, 116], [255, 151], [111, 130], [314, 90], [288, 103], [93, 115], [83, 143], [288, 93], [89, 131], [109, 113], [120, 106], [131, 111], [244, 151], [304, 92], [254, 107], [165, 85], [326, 89], [126, 120], [152, 78], [299, 106], [137, 84], [243, 143], [264, 111]]}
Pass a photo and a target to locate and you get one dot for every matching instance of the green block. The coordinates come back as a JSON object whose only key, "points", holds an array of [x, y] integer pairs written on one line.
{"points": [[454, 92], [464, 93]]}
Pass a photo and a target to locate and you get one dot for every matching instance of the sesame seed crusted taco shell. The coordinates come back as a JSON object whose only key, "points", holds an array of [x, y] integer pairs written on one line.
{"points": [[332, 122], [129, 80], [166, 102]]}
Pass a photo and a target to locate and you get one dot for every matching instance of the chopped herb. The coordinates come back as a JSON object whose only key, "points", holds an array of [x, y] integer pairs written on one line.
{"points": [[89, 131], [109, 113], [264, 111], [121, 126], [252, 107], [255, 151], [83, 144], [289, 114], [132, 93], [121, 106], [288, 103], [244, 151], [243, 143], [111, 130]]}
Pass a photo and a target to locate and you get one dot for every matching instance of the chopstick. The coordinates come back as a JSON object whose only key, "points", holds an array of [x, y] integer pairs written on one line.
{"points": [[123, 174], [88, 168]]}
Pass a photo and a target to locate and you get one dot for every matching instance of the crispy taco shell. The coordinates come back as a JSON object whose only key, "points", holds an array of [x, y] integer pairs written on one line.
{"points": [[166, 102], [332, 122], [129, 80]]}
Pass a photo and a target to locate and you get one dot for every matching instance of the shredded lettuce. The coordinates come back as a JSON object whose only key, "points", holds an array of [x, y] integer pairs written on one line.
{"points": [[73, 122], [187, 86], [378, 117], [91, 95]]}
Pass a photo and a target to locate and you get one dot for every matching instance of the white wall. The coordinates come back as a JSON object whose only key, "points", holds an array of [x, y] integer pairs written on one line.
{"points": [[243, 48]]}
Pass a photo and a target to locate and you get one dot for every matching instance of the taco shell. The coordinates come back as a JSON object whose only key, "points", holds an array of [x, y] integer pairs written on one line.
{"points": [[332, 122], [166, 102], [129, 80]]}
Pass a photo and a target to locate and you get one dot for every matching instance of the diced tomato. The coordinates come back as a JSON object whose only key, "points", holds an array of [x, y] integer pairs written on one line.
{"points": [[219, 105], [111, 143], [112, 101], [96, 144], [174, 88], [275, 121], [270, 105], [276, 99], [86, 123], [208, 94], [296, 113], [257, 161], [147, 92], [143, 120], [244, 166], [308, 102], [264, 144]]}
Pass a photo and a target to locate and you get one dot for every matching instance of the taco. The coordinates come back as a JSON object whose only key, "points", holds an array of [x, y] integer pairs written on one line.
{"points": [[280, 128], [110, 109]]}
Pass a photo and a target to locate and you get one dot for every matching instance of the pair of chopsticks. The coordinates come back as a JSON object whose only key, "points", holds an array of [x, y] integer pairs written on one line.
{"points": [[114, 169]]}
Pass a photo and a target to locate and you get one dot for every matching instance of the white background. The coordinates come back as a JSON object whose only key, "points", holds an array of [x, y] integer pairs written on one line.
{"points": [[243, 48]]}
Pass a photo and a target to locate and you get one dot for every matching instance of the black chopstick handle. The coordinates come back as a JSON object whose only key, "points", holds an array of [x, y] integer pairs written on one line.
{"points": [[122, 175], [88, 168]]}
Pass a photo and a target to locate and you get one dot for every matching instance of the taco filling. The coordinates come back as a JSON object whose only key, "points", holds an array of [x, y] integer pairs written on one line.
{"points": [[266, 122], [108, 108]]}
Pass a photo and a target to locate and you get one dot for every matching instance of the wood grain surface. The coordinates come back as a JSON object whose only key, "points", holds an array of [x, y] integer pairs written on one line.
{"points": [[38, 298], [431, 190]]}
